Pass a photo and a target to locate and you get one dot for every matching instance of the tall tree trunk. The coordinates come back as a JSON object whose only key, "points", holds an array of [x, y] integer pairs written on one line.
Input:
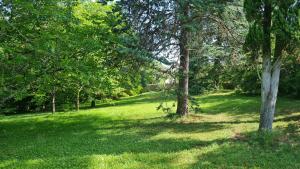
{"points": [[271, 72], [183, 84], [53, 101]]}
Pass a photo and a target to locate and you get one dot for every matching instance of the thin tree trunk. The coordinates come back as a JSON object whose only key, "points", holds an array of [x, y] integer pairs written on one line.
{"points": [[78, 98], [78, 101], [53, 101], [183, 84]]}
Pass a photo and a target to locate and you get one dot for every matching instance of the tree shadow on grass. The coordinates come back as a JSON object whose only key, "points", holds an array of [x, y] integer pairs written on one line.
{"points": [[289, 118], [278, 150], [243, 156], [75, 147], [71, 141], [46, 141]]}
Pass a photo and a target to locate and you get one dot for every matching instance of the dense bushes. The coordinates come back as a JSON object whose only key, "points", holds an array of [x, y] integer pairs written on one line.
{"points": [[289, 84], [290, 78]]}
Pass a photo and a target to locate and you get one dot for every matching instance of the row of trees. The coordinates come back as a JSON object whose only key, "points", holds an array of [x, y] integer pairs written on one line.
{"points": [[63, 51]]}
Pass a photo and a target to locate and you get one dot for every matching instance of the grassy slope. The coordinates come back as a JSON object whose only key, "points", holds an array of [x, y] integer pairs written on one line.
{"points": [[132, 134]]}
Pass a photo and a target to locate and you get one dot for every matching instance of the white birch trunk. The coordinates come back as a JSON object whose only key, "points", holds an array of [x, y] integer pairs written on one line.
{"points": [[269, 91]]}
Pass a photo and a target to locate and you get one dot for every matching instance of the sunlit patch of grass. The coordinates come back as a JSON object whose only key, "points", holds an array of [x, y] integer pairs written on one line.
{"points": [[131, 133]]}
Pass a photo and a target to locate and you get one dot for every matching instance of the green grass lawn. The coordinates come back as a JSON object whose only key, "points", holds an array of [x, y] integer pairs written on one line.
{"points": [[132, 134]]}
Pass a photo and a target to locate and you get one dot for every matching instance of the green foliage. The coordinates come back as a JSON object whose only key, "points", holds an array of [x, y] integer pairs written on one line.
{"points": [[253, 10], [284, 32], [253, 41], [290, 79], [65, 49], [285, 24], [216, 49], [250, 82]]}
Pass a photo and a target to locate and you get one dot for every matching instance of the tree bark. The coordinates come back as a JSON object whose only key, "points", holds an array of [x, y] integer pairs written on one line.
{"points": [[78, 101], [269, 96], [53, 101], [183, 83]]}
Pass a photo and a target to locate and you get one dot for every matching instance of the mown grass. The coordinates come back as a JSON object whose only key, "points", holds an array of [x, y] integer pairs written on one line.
{"points": [[132, 134]]}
